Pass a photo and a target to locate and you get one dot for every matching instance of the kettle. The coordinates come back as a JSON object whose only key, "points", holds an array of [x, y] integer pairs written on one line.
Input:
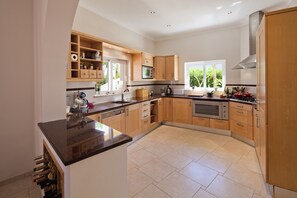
{"points": [[168, 90]]}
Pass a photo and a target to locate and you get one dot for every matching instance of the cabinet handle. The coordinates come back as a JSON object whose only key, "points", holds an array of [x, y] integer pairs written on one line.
{"points": [[241, 112], [238, 124], [257, 122], [145, 110], [127, 112]]}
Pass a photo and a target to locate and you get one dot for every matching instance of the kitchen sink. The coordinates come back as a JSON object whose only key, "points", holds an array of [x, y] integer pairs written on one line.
{"points": [[121, 102]]}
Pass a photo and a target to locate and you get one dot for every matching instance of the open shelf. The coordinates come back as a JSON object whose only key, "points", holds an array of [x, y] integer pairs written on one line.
{"points": [[89, 59], [89, 49]]}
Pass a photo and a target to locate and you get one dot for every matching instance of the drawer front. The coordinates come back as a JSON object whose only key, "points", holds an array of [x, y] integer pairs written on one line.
{"points": [[99, 74], [145, 114], [199, 121], [93, 74], [219, 124], [241, 129], [241, 115], [241, 106], [145, 105], [84, 73]]}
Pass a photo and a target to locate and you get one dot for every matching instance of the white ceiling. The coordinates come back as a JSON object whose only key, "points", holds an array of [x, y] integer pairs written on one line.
{"points": [[183, 16]]}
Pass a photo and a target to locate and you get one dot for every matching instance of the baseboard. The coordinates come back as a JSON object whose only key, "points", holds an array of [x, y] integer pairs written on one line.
{"points": [[13, 179], [243, 139], [283, 193]]}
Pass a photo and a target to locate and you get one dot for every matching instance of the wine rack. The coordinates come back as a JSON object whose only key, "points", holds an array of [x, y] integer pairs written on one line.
{"points": [[48, 175]]}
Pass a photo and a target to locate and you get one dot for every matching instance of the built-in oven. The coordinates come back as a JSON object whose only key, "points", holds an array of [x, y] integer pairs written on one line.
{"points": [[211, 109], [147, 72]]}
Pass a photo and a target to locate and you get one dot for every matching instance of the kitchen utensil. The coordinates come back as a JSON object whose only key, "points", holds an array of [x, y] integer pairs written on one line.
{"points": [[168, 90]]}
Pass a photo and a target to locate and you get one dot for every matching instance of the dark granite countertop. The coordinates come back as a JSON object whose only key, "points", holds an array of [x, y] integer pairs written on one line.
{"points": [[99, 108], [75, 139]]}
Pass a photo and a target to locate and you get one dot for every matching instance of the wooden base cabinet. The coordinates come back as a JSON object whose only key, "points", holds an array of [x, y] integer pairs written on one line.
{"points": [[200, 121], [182, 110], [168, 111], [219, 124], [117, 122], [241, 119], [133, 120]]}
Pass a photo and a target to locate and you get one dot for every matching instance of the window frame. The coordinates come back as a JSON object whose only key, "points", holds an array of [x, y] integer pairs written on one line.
{"points": [[111, 89], [204, 64]]}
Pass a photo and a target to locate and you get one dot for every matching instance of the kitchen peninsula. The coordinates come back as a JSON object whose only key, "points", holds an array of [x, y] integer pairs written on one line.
{"points": [[91, 158]]}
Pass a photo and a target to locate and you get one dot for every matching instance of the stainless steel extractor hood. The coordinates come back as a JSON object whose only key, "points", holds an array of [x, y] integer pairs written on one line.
{"points": [[250, 61]]}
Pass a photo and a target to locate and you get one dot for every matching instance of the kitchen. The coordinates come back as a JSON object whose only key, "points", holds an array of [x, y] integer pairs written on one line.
{"points": [[55, 108]]}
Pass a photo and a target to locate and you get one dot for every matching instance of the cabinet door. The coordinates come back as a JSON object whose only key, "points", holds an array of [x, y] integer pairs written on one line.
{"points": [[200, 121], [219, 124], [159, 64], [136, 67], [147, 59], [117, 122], [169, 67], [160, 110], [133, 118], [167, 109], [96, 117], [182, 110]]}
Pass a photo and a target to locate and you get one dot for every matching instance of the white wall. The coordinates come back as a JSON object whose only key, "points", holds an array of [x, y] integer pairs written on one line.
{"points": [[248, 76], [93, 24], [17, 87], [213, 45]]}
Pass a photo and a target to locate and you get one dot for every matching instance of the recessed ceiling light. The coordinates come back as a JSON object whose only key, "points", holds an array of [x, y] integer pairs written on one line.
{"points": [[230, 12], [152, 12], [236, 2], [168, 25], [219, 7]]}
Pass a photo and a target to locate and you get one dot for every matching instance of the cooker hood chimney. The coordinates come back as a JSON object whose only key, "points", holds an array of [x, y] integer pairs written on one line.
{"points": [[250, 61]]}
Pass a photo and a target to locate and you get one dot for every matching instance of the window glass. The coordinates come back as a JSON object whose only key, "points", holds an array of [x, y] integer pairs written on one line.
{"points": [[205, 74], [104, 83]]}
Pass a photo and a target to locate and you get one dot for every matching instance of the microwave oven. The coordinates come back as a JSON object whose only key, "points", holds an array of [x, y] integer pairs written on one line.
{"points": [[147, 72], [211, 109]]}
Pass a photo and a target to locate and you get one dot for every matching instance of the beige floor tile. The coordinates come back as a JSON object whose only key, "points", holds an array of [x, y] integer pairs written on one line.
{"points": [[141, 157], [225, 154], [137, 181], [156, 169], [21, 194], [192, 151], [237, 147], [179, 186], [17, 186], [152, 192], [146, 141], [257, 196], [131, 164], [203, 194], [220, 140], [203, 143], [250, 161], [159, 149], [176, 160], [35, 193], [246, 177], [133, 148], [199, 173], [226, 188], [217, 163]]}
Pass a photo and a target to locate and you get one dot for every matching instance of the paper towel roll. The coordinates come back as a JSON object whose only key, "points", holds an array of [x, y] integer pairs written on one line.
{"points": [[73, 57]]}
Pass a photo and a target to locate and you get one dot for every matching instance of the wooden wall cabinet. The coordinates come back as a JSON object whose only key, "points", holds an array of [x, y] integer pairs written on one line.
{"points": [[182, 110], [166, 67], [276, 50], [241, 119], [85, 67], [137, 61]]}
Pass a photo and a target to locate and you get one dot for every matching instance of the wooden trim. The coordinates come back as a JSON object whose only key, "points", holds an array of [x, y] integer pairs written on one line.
{"points": [[281, 11], [58, 167]]}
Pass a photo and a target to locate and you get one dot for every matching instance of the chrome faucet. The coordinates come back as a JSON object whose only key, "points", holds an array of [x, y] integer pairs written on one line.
{"points": [[122, 96]]}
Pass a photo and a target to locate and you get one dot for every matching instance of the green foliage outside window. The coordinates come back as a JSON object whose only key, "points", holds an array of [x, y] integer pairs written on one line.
{"points": [[214, 77]]}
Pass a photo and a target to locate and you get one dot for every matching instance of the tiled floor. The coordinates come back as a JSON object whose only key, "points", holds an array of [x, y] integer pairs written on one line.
{"points": [[22, 188], [180, 163]]}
